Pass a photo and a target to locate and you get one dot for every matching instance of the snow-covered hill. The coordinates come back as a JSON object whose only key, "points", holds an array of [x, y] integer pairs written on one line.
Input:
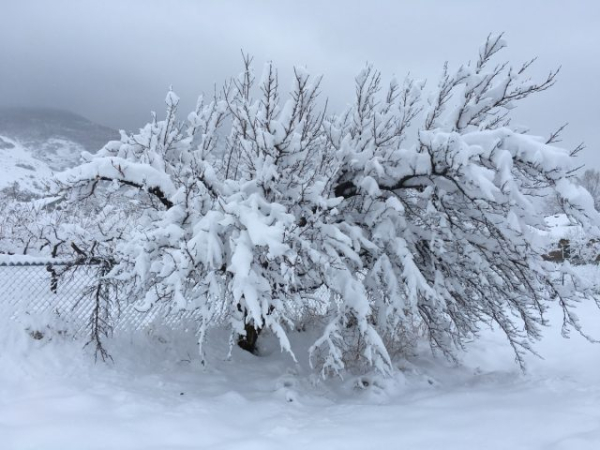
{"points": [[35, 143], [19, 170], [49, 131]]}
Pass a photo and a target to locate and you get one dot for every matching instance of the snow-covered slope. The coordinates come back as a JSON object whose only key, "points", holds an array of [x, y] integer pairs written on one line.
{"points": [[19, 169], [54, 134], [35, 143]]}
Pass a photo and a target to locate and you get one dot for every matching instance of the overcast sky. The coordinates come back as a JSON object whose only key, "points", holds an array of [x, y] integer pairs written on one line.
{"points": [[113, 60]]}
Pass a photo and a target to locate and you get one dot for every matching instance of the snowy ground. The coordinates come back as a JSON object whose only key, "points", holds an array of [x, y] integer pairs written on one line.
{"points": [[18, 165], [53, 397]]}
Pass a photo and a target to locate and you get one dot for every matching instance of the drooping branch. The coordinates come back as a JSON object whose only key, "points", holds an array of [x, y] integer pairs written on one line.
{"points": [[124, 172], [154, 190]]}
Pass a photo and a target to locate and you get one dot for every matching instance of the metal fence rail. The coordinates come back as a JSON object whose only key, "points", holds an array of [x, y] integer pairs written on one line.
{"points": [[58, 293]]}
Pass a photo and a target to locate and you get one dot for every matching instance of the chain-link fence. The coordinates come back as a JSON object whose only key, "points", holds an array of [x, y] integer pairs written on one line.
{"points": [[62, 294]]}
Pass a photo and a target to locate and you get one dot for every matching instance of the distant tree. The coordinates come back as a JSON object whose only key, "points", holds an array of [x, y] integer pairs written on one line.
{"points": [[408, 209], [590, 180]]}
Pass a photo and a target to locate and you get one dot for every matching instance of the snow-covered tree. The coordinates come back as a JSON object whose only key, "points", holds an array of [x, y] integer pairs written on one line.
{"points": [[411, 208]]}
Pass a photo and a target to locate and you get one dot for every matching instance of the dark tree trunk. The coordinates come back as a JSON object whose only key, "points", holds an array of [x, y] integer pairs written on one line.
{"points": [[248, 342]]}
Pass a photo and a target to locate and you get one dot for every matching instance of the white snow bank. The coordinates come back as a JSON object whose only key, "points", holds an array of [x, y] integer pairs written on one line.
{"points": [[559, 227], [28, 259], [158, 396], [18, 166]]}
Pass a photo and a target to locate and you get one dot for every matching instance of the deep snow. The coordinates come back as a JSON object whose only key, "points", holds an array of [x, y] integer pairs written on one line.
{"points": [[157, 396]]}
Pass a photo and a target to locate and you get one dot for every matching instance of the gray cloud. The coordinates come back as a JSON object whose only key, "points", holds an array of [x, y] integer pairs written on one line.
{"points": [[112, 60]]}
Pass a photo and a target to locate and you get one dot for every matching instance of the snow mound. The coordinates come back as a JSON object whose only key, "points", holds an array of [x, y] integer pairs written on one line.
{"points": [[19, 168], [559, 227]]}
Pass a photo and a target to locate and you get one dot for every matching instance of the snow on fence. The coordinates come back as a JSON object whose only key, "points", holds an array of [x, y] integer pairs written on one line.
{"points": [[60, 294]]}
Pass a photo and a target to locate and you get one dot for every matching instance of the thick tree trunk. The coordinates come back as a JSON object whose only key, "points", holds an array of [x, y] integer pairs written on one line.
{"points": [[249, 341]]}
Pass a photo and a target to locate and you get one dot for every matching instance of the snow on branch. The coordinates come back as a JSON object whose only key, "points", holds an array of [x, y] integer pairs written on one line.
{"points": [[114, 169]]}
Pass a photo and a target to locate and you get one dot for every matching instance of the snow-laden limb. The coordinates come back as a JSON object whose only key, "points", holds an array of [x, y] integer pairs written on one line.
{"points": [[411, 208], [122, 171]]}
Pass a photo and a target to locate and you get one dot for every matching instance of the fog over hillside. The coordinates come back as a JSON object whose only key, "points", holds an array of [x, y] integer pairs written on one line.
{"points": [[37, 126], [114, 61], [38, 142]]}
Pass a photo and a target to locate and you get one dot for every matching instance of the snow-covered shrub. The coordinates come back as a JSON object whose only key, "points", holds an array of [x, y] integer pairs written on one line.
{"points": [[416, 208]]}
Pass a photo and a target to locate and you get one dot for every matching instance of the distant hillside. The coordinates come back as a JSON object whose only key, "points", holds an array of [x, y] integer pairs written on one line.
{"points": [[41, 124], [37, 142]]}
